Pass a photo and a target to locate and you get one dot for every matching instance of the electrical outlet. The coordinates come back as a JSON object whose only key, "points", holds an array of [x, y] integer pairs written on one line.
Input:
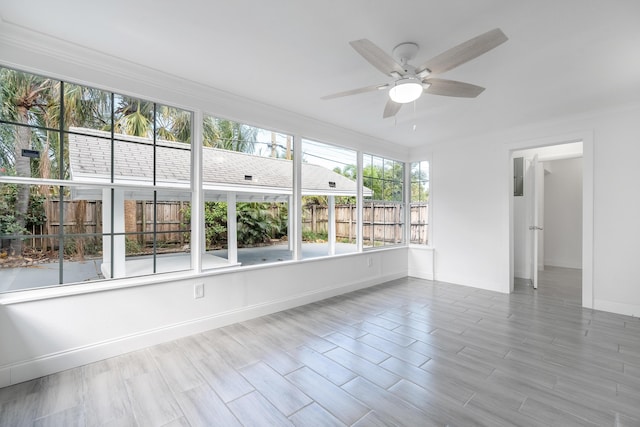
{"points": [[198, 290], [369, 261]]}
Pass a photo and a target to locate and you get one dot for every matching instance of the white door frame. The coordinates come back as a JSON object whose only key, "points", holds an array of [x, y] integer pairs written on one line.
{"points": [[533, 220], [587, 203]]}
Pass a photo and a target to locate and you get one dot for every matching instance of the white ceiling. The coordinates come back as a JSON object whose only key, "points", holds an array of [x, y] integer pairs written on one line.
{"points": [[563, 56]]}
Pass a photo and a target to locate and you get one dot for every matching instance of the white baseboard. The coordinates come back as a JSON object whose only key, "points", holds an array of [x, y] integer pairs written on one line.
{"points": [[562, 263], [521, 274], [72, 358], [617, 307], [421, 274]]}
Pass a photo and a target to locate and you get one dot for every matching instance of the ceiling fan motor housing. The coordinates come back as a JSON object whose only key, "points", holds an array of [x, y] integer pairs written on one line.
{"points": [[405, 52]]}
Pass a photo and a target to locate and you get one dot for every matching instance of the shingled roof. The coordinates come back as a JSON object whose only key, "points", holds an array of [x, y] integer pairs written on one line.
{"points": [[250, 177]]}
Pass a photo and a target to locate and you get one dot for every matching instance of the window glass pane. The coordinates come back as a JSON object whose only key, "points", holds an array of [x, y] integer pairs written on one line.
{"points": [[86, 108], [251, 168], [173, 146], [329, 193], [134, 148], [60, 241], [173, 124], [419, 202], [148, 236], [89, 156], [133, 116], [215, 233], [29, 99], [31, 153], [383, 217]]}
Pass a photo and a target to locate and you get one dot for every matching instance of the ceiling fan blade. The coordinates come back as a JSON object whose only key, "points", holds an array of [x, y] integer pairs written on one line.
{"points": [[377, 57], [356, 91], [464, 52], [391, 109], [452, 88]]}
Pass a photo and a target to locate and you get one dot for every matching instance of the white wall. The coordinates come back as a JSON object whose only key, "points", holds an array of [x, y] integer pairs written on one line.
{"points": [[563, 213], [471, 241], [420, 262], [617, 209], [471, 204]]}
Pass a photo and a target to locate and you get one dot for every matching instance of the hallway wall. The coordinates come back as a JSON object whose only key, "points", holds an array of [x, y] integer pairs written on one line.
{"points": [[563, 213]]}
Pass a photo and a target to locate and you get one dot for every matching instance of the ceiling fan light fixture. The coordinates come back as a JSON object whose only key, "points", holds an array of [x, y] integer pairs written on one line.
{"points": [[406, 90]]}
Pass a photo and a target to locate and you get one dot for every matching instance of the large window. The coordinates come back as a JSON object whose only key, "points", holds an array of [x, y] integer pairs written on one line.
{"points": [[329, 190], [93, 184], [97, 185], [419, 203], [383, 210], [248, 182]]}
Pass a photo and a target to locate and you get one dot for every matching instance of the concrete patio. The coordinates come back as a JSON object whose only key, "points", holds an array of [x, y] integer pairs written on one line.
{"points": [[48, 274]]}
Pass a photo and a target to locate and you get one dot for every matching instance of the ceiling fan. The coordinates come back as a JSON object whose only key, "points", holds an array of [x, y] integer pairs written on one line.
{"points": [[409, 82]]}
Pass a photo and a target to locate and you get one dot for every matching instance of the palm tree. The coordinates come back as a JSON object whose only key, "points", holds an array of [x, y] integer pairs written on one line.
{"points": [[228, 135], [173, 124], [134, 117], [25, 97], [6, 150]]}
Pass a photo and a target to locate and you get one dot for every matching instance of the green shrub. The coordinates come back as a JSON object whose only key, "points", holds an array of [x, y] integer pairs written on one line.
{"points": [[9, 224], [257, 222], [215, 222], [132, 246], [310, 236]]}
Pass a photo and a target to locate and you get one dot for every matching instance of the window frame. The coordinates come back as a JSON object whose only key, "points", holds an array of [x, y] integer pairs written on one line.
{"points": [[65, 184], [195, 190], [401, 204], [427, 202]]}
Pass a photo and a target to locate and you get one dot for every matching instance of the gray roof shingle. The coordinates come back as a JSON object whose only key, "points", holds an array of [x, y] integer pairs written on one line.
{"points": [[223, 170]]}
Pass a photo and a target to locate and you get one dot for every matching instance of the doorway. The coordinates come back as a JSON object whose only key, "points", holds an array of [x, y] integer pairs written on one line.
{"points": [[567, 250]]}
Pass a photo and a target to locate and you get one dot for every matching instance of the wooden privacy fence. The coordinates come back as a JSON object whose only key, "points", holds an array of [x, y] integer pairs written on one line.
{"points": [[85, 217], [419, 223], [381, 222], [170, 220]]}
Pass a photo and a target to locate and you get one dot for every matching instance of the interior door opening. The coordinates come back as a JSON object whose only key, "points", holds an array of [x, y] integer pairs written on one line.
{"points": [[546, 218]]}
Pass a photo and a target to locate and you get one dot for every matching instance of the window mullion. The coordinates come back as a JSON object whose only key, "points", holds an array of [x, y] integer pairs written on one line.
{"points": [[197, 193]]}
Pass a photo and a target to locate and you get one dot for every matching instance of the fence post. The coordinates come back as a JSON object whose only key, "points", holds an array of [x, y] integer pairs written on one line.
{"points": [[180, 220]]}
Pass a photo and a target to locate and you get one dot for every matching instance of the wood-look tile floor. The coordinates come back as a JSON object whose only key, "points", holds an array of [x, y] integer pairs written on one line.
{"points": [[407, 353]]}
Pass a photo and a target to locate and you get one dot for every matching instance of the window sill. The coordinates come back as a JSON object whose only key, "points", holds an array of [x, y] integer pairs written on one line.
{"points": [[72, 289], [424, 247]]}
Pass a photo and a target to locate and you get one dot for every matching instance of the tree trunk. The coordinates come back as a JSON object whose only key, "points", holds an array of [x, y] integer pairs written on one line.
{"points": [[45, 173], [23, 169], [80, 214]]}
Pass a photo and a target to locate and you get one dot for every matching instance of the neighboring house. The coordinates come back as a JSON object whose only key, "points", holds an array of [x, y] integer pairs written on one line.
{"points": [[228, 176], [250, 177]]}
